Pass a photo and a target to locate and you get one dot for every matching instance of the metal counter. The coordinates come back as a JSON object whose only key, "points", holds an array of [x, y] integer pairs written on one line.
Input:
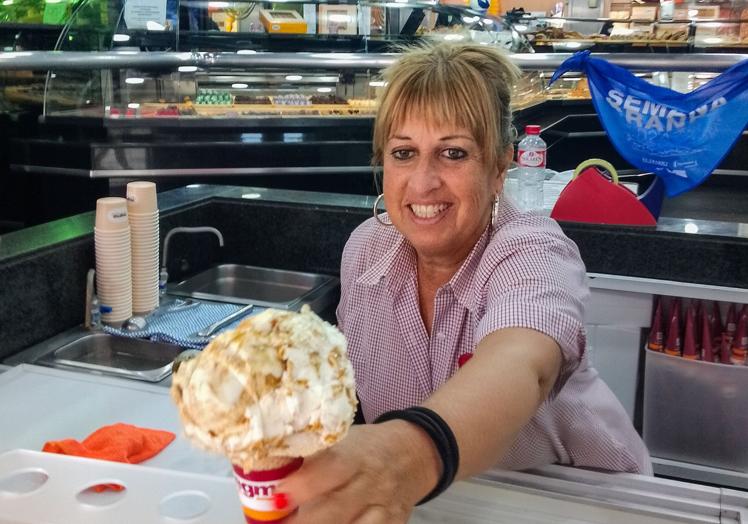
{"points": [[59, 404]]}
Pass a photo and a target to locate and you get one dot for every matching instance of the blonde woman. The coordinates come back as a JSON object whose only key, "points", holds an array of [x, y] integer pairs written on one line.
{"points": [[464, 316]]}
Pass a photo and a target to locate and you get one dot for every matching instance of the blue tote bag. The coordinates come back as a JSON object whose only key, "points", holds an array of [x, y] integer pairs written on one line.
{"points": [[681, 137]]}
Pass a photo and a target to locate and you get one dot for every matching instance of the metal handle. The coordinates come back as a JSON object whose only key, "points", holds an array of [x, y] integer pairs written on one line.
{"points": [[208, 331]]}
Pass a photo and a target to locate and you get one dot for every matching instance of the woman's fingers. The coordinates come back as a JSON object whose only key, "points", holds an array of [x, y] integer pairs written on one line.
{"points": [[353, 503], [380, 515], [368, 475], [321, 473]]}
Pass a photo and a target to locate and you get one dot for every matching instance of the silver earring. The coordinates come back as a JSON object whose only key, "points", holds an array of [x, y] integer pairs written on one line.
{"points": [[376, 215], [495, 209]]}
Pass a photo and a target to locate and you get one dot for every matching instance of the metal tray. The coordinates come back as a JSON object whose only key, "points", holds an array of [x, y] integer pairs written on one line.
{"points": [[261, 286], [101, 353]]}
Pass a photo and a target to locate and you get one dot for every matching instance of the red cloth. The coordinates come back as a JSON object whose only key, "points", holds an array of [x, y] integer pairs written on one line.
{"points": [[118, 442]]}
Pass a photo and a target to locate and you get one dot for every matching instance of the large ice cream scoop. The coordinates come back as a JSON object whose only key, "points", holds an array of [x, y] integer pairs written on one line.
{"points": [[280, 385]]}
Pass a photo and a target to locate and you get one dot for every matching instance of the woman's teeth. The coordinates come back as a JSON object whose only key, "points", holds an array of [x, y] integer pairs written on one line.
{"points": [[427, 211]]}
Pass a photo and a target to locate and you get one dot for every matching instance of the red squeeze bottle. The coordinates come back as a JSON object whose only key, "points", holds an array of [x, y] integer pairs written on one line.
{"points": [[656, 334], [724, 349], [740, 341], [672, 346], [697, 323], [707, 352], [689, 338], [730, 324], [716, 325]]}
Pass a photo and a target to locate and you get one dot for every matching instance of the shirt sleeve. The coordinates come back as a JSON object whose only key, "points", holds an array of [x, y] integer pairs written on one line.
{"points": [[538, 282], [350, 268]]}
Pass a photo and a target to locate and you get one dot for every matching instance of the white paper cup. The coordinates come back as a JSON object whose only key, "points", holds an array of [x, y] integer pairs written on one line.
{"points": [[141, 197], [111, 214]]}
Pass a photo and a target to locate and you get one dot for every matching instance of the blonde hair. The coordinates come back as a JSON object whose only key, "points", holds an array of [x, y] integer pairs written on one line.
{"points": [[467, 85]]}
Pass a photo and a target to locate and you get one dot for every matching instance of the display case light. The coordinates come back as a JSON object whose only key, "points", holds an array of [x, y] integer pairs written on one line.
{"points": [[713, 40], [324, 89], [690, 227], [454, 37], [187, 69], [693, 13], [150, 25], [218, 5], [119, 37], [7, 2], [246, 52], [339, 18], [377, 83], [52, 1], [470, 19], [133, 105], [15, 55], [293, 78], [134, 80], [239, 85]]}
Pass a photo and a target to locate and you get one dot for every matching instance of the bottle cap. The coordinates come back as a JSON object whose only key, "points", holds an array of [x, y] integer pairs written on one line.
{"points": [[532, 130]]}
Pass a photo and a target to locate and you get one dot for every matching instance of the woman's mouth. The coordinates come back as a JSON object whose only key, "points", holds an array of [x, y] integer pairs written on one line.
{"points": [[428, 211]]}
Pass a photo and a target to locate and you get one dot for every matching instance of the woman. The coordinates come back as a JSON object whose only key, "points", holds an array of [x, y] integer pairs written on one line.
{"points": [[449, 272]]}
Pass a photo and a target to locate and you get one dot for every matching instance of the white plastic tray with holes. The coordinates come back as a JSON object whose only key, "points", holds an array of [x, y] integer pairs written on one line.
{"points": [[47, 488]]}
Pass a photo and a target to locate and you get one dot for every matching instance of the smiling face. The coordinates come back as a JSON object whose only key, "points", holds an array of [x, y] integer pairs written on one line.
{"points": [[438, 189]]}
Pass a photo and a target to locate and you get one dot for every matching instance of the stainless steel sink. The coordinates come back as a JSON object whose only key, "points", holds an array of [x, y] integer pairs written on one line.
{"points": [[260, 286], [101, 353]]}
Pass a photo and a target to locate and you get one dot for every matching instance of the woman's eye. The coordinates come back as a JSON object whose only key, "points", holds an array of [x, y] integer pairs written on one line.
{"points": [[454, 153], [402, 154]]}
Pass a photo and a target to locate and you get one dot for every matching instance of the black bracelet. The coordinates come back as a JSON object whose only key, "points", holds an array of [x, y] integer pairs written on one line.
{"points": [[444, 441]]}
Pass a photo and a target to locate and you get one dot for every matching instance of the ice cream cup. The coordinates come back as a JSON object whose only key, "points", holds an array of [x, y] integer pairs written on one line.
{"points": [[257, 487]]}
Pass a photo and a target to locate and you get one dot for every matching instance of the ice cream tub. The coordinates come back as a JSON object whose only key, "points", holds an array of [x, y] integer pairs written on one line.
{"points": [[256, 490]]}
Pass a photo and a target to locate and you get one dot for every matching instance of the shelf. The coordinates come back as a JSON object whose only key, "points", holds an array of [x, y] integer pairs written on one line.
{"points": [[609, 41]]}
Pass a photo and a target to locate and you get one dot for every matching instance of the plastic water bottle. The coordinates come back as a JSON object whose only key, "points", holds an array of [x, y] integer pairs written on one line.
{"points": [[531, 172]]}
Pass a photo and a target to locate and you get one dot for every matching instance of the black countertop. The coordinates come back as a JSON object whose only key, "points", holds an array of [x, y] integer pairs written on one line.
{"points": [[689, 225], [43, 268]]}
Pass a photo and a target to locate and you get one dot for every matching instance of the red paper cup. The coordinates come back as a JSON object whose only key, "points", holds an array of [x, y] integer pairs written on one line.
{"points": [[256, 489]]}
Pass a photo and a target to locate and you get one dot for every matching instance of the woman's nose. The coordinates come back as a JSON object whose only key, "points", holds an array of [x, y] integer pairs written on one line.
{"points": [[425, 176]]}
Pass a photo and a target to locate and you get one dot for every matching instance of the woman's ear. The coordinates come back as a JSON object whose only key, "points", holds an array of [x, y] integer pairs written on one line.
{"points": [[508, 158], [503, 164]]}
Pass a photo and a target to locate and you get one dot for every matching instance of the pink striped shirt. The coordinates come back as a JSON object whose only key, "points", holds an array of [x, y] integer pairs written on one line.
{"points": [[523, 272]]}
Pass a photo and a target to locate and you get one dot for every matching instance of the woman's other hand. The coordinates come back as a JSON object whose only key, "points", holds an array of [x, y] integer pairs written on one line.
{"points": [[373, 476]]}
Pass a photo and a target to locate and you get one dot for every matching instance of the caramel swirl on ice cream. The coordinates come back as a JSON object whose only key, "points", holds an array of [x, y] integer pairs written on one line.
{"points": [[279, 385]]}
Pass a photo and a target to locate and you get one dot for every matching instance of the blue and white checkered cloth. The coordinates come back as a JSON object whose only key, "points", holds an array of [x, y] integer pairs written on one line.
{"points": [[179, 325]]}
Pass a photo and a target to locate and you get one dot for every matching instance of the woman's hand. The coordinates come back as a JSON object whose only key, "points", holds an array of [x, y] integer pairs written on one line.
{"points": [[373, 476]]}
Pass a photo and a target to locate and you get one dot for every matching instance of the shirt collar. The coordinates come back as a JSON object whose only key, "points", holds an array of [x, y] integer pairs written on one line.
{"points": [[398, 262], [461, 282]]}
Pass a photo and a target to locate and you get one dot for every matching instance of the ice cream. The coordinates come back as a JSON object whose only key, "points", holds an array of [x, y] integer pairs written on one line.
{"points": [[278, 386]]}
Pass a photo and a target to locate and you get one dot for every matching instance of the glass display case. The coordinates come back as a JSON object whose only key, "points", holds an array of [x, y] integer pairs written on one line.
{"points": [[638, 26]]}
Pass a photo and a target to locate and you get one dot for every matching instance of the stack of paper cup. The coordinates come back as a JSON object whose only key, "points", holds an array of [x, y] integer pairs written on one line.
{"points": [[113, 263], [142, 209]]}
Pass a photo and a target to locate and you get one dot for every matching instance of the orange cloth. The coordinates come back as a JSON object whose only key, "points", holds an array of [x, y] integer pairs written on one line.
{"points": [[118, 442]]}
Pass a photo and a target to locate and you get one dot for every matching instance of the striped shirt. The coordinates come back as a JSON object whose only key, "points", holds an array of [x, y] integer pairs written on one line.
{"points": [[522, 272]]}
